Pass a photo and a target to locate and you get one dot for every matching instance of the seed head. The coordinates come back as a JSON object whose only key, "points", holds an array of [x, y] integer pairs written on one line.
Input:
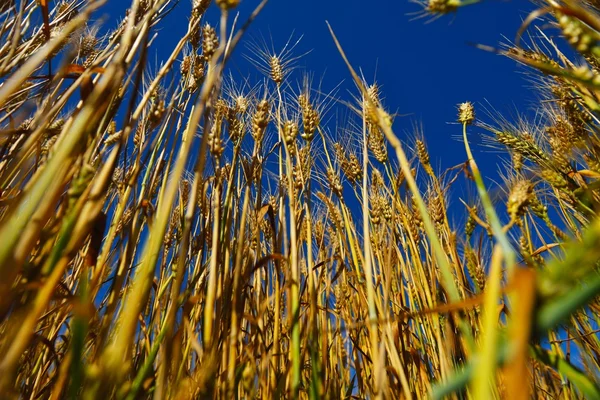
{"points": [[373, 93], [334, 182], [376, 143], [520, 196], [310, 117], [423, 155], [377, 182], [55, 127], [290, 132], [305, 161], [370, 106], [157, 109], [414, 222], [554, 178], [533, 55], [47, 146], [185, 65], [375, 211], [124, 221], [139, 135], [466, 113], [214, 138], [350, 165], [470, 226], [579, 35], [260, 120], [88, 44], [199, 7], [241, 104], [436, 209], [475, 270], [517, 160], [210, 41], [227, 4], [442, 6], [236, 125], [199, 68], [334, 212], [276, 69]]}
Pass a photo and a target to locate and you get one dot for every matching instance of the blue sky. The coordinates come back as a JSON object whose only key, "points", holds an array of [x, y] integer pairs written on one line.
{"points": [[425, 67]]}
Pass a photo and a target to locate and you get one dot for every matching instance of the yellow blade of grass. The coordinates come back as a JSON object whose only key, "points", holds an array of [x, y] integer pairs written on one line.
{"points": [[485, 374], [523, 301]]}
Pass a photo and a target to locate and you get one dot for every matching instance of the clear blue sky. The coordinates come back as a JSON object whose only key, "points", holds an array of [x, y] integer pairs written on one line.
{"points": [[425, 69]]}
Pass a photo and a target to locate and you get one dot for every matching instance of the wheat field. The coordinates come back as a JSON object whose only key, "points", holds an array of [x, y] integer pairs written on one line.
{"points": [[175, 233]]}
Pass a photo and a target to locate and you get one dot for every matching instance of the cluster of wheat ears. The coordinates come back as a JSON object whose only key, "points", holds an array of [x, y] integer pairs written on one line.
{"points": [[177, 234]]}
